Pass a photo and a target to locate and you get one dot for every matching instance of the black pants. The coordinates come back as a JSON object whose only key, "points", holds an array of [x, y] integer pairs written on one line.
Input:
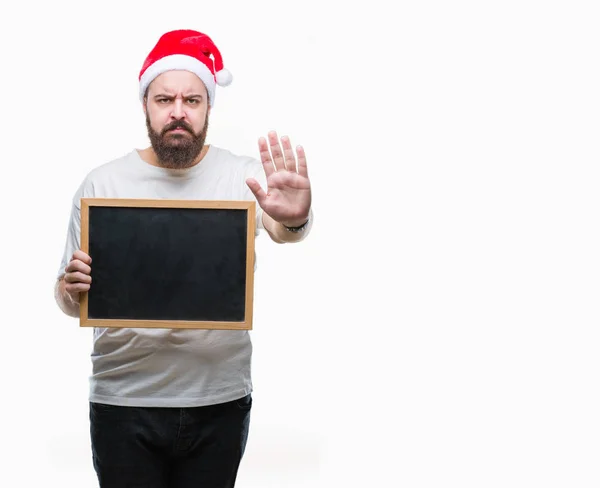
{"points": [[198, 447]]}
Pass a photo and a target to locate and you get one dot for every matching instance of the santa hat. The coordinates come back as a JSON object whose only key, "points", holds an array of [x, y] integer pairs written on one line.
{"points": [[186, 50]]}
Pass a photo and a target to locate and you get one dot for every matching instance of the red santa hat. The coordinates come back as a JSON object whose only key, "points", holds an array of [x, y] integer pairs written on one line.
{"points": [[186, 50]]}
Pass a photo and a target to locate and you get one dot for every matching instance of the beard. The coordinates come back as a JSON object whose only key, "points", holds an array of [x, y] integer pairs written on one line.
{"points": [[178, 150]]}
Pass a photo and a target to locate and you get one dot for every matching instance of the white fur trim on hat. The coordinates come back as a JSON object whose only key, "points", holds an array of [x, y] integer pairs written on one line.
{"points": [[179, 62]]}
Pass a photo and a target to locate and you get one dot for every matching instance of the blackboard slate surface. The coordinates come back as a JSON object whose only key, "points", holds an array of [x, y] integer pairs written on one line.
{"points": [[168, 263]]}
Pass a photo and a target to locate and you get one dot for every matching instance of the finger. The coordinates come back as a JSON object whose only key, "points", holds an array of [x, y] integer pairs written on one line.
{"points": [[276, 151], [288, 154], [302, 169], [265, 156], [257, 190], [78, 277], [74, 288], [79, 254], [77, 265]]}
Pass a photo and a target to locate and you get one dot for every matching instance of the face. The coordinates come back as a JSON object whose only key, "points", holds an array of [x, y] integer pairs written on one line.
{"points": [[176, 108]]}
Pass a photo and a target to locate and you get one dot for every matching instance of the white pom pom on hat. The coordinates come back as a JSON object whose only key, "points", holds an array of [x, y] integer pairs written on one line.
{"points": [[224, 77], [185, 50]]}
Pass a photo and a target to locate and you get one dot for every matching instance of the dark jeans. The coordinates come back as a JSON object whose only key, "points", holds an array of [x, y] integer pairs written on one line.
{"points": [[198, 447]]}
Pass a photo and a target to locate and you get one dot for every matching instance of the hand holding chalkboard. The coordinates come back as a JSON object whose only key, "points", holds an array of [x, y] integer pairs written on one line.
{"points": [[78, 275]]}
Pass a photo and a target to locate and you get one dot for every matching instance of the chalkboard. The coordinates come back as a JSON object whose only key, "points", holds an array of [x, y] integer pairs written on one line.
{"points": [[168, 263]]}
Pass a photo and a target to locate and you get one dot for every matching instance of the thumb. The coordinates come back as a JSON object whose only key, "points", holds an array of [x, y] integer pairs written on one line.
{"points": [[256, 189]]}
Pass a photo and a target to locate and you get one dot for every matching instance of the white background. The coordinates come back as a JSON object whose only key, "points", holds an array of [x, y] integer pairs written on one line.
{"points": [[440, 326]]}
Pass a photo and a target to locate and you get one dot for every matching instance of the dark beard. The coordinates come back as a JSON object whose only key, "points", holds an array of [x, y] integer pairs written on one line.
{"points": [[177, 151]]}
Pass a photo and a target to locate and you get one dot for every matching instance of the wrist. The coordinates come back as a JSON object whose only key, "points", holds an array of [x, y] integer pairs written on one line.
{"points": [[67, 303], [72, 299], [297, 226]]}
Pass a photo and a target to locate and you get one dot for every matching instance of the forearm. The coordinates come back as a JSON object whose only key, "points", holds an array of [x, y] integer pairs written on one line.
{"points": [[64, 300], [280, 234]]}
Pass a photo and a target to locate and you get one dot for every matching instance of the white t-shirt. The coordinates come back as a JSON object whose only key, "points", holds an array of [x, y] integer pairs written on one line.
{"points": [[168, 367]]}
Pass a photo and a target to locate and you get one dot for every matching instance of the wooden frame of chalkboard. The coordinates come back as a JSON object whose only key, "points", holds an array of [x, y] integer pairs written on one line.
{"points": [[163, 263]]}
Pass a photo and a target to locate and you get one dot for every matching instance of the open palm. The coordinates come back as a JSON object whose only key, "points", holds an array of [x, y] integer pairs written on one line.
{"points": [[288, 196]]}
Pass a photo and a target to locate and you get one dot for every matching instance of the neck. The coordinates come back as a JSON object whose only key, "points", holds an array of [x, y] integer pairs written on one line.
{"points": [[149, 156]]}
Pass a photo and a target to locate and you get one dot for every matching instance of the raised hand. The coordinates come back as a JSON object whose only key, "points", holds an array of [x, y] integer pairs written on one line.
{"points": [[288, 195]]}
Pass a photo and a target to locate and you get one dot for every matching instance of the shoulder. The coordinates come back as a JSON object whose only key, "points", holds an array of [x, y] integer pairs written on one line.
{"points": [[110, 169], [119, 164], [238, 163], [226, 156]]}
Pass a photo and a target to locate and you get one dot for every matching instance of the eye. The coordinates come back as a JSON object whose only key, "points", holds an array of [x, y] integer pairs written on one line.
{"points": [[162, 100], [193, 101]]}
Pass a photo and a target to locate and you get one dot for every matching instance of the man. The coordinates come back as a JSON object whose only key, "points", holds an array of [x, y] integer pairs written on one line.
{"points": [[170, 407]]}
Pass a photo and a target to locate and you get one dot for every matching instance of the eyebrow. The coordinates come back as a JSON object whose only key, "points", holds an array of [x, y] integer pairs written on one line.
{"points": [[165, 95]]}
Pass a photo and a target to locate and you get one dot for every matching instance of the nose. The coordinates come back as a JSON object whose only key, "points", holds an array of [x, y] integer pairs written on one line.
{"points": [[178, 111]]}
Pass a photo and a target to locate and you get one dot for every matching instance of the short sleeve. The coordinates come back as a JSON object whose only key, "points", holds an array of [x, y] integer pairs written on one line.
{"points": [[73, 237]]}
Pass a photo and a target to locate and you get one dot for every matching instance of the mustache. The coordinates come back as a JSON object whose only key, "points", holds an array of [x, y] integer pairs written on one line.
{"points": [[177, 124]]}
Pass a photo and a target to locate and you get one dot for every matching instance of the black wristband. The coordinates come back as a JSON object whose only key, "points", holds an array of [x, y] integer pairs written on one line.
{"points": [[297, 229]]}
